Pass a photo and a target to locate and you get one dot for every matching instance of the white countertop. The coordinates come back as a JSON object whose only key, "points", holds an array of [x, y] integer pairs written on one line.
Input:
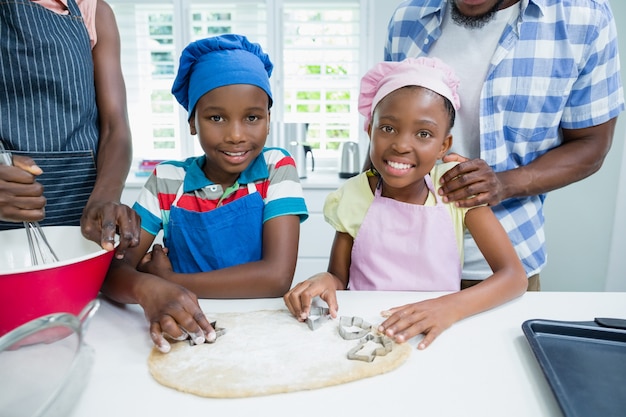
{"points": [[326, 179], [481, 366]]}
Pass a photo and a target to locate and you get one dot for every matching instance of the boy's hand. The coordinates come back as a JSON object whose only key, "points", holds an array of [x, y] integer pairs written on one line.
{"points": [[430, 317], [156, 262], [298, 299], [173, 312]]}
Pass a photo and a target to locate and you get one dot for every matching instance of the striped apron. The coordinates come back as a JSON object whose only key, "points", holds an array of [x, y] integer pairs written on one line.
{"points": [[48, 103]]}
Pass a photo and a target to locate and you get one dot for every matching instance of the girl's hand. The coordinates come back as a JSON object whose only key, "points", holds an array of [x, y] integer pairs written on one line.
{"points": [[430, 317], [298, 299]]}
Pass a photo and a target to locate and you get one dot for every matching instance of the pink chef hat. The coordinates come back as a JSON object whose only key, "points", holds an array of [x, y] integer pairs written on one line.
{"points": [[386, 77]]}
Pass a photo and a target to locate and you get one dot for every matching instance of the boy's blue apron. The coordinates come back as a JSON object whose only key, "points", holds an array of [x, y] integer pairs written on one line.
{"points": [[226, 236], [48, 102]]}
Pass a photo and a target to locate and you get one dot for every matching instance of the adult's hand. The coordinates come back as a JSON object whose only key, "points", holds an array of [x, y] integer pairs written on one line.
{"points": [[21, 196], [471, 183], [102, 220]]}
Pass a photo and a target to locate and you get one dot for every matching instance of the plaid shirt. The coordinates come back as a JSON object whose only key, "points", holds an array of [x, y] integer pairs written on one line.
{"points": [[556, 67]]}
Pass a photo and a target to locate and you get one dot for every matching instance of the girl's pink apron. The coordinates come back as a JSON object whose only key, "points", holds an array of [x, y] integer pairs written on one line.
{"points": [[405, 247]]}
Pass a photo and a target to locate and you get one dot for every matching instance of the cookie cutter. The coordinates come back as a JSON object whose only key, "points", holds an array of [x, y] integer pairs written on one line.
{"points": [[385, 342], [219, 331], [346, 322], [320, 314]]}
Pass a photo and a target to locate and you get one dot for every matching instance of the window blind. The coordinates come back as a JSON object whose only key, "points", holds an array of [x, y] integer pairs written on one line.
{"points": [[317, 49]]}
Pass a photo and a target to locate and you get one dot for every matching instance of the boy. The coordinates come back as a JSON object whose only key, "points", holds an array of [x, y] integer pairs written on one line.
{"points": [[231, 216]]}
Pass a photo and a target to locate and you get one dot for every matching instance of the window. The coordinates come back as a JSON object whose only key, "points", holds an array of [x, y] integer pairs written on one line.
{"points": [[321, 47], [318, 49]]}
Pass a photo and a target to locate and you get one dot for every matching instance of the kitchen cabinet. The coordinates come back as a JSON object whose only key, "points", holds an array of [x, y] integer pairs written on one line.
{"points": [[316, 236]]}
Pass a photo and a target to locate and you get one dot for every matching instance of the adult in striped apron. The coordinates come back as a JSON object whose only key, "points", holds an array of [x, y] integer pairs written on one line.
{"points": [[49, 112]]}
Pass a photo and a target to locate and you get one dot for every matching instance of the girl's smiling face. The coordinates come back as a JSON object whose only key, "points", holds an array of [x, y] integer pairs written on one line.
{"points": [[232, 124], [409, 132]]}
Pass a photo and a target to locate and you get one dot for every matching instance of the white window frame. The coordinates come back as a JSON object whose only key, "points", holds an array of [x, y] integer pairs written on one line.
{"points": [[182, 36]]}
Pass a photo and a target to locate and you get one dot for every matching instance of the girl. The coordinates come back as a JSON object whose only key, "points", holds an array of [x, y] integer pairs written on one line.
{"points": [[393, 232]]}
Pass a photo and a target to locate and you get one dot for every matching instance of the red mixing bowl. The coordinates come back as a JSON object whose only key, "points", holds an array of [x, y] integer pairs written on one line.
{"points": [[28, 292]]}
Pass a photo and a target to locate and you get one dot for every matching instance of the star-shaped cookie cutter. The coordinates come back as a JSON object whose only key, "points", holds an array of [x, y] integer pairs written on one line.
{"points": [[219, 331], [347, 322], [385, 343], [317, 316]]}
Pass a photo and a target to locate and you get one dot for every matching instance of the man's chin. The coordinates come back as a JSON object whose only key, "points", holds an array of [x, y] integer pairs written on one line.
{"points": [[474, 22]]}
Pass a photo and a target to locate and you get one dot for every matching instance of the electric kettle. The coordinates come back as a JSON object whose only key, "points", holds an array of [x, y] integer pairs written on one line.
{"points": [[295, 136], [349, 164]]}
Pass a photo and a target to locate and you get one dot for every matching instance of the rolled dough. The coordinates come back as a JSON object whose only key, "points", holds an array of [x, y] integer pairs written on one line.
{"points": [[266, 352]]}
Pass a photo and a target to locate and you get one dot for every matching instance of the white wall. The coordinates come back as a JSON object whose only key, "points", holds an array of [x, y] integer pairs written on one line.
{"points": [[586, 221], [616, 274]]}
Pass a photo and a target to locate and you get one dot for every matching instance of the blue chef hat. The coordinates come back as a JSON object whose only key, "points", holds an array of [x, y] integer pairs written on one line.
{"points": [[214, 62]]}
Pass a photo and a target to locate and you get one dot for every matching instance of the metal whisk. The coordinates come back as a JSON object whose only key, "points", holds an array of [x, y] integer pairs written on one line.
{"points": [[40, 250]]}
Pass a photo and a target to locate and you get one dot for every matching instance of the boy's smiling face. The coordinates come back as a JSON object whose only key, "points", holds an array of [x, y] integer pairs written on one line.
{"points": [[232, 124], [410, 131]]}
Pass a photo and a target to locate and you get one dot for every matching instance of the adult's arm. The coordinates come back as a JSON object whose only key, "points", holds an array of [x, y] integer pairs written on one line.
{"points": [[104, 215], [582, 152]]}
